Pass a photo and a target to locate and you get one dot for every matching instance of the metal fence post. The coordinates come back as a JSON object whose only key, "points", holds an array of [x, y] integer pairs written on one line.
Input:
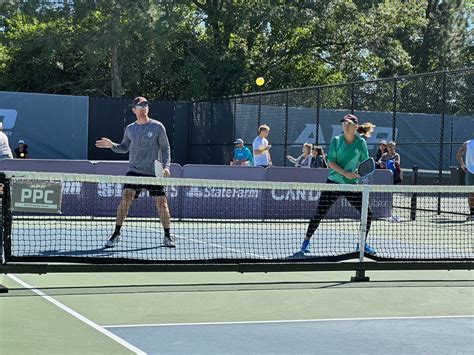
{"points": [[394, 111], [441, 137], [234, 119], [414, 195], [285, 149], [352, 97], [318, 107], [259, 117], [209, 137]]}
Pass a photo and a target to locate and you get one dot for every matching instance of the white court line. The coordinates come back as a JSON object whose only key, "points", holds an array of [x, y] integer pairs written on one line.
{"points": [[283, 321], [78, 316], [212, 244]]}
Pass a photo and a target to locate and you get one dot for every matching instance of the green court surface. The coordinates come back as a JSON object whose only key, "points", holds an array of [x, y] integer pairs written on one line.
{"points": [[32, 324]]}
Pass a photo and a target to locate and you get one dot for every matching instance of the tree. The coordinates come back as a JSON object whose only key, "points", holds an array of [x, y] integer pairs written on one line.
{"points": [[197, 49]]}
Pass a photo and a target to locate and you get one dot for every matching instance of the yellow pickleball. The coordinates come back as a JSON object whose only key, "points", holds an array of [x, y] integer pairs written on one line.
{"points": [[260, 81]]}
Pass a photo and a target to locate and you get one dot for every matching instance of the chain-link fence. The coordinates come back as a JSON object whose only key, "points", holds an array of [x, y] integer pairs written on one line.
{"points": [[428, 115]]}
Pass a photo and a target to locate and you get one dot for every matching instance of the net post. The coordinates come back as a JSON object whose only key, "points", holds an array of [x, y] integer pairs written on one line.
{"points": [[3, 181], [414, 195], [360, 274]]}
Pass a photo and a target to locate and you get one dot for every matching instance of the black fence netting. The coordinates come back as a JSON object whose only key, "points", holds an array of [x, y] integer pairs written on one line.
{"points": [[428, 115]]}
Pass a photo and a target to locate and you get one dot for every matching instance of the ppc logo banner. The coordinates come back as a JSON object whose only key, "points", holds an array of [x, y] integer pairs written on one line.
{"points": [[39, 197]]}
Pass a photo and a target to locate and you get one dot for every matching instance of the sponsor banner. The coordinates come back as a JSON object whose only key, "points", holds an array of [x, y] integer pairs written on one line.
{"points": [[303, 203], [106, 198], [225, 203], [102, 200], [417, 134], [222, 203], [37, 197]]}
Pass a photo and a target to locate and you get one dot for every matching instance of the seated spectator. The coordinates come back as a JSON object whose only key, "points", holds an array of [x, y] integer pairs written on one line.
{"points": [[304, 160], [391, 160], [381, 149], [318, 159], [21, 152], [242, 154]]}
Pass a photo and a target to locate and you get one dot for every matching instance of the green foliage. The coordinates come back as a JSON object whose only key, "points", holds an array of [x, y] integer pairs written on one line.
{"points": [[209, 48]]}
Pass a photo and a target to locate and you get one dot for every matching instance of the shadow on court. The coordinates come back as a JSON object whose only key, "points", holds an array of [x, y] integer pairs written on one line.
{"points": [[232, 287]]}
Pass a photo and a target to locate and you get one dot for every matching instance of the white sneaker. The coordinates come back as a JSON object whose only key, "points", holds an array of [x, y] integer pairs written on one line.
{"points": [[169, 242], [470, 217], [112, 241]]}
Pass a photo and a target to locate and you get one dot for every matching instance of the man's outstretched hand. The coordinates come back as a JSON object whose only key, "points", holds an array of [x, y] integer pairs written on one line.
{"points": [[104, 143]]}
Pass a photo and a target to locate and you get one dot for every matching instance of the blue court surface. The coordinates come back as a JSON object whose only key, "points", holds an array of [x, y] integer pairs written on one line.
{"points": [[430, 335], [233, 240]]}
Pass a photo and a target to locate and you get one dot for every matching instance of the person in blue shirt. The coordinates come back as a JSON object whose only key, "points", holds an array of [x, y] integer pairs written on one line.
{"points": [[242, 154]]}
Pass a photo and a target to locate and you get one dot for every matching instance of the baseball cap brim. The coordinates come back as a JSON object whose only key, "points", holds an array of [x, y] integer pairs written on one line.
{"points": [[138, 100], [350, 118]]}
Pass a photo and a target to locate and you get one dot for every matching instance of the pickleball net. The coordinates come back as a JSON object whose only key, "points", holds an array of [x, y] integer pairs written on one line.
{"points": [[222, 221]]}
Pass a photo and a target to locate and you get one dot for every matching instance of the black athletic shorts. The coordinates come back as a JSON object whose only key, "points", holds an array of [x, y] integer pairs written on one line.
{"points": [[154, 190]]}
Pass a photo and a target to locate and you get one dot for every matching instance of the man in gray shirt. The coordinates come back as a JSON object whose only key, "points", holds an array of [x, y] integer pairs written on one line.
{"points": [[5, 151], [146, 141]]}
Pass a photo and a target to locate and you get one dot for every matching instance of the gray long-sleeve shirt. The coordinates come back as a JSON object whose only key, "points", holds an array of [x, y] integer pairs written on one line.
{"points": [[5, 151], [145, 143]]}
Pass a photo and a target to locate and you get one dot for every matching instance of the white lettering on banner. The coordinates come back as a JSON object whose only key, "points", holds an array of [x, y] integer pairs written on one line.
{"points": [[72, 188], [221, 192], [36, 195], [372, 141], [309, 135], [109, 190], [295, 195], [375, 203], [115, 190]]}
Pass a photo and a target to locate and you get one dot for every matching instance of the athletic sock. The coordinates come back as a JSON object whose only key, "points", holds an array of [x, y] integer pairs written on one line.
{"points": [[167, 232], [305, 244], [472, 211], [116, 231]]}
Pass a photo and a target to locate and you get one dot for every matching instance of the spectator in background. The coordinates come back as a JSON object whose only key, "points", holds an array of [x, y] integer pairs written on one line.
{"points": [[21, 152], [318, 159], [391, 160], [382, 149], [304, 160], [468, 166], [5, 151], [261, 148], [242, 154]]}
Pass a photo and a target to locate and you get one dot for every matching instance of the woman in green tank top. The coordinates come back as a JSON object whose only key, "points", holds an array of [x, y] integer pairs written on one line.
{"points": [[346, 151]]}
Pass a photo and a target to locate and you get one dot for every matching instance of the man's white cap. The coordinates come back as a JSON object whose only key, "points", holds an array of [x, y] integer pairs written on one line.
{"points": [[21, 141]]}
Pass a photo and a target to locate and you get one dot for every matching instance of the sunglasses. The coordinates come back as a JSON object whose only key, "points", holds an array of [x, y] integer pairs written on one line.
{"points": [[348, 123], [141, 106]]}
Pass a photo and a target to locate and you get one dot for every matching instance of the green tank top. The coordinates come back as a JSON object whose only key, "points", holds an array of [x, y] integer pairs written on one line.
{"points": [[347, 156]]}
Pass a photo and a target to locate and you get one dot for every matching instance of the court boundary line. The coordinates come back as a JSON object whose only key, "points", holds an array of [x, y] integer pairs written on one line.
{"points": [[211, 244], [282, 321], [78, 316]]}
